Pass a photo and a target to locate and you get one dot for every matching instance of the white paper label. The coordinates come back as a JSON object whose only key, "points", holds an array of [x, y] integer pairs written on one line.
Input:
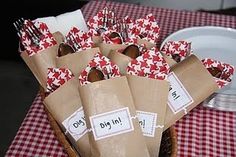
{"points": [[178, 97], [111, 123], [75, 124], [147, 122]]}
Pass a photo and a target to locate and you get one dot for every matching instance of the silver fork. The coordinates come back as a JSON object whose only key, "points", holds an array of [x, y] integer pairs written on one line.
{"points": [[109, 21], [114, 17], [31, 31], [72, 41], [106, 21], [18, 25], [122, 29]]}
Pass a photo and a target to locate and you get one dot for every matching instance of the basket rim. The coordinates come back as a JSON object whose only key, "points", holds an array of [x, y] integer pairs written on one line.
{"points": [[72, 152]]}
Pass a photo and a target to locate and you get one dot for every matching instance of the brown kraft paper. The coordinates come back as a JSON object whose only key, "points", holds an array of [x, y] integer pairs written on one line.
{"points": [[169, 60], [40, 62], [196, 80], [77, 61], [150, 95], [110, 95], [106, 48], [62, 103], [58, 37], [97, 40], [148, 44], [120, 60]]}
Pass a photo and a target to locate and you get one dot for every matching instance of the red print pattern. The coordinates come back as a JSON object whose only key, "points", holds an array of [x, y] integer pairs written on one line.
{"points": [[150, 64], [109, 69], [181, 48], [226, 69], [47, 40], [83, 39], [146, 27], [103, 19], [57, 77]]}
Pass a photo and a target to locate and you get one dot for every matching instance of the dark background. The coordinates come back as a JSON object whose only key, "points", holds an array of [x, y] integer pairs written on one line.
{"points": [[33, 9], [30, 9], [18, 85]]}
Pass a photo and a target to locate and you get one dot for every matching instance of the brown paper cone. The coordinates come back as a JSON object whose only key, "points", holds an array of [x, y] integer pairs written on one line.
{"points": [[105, 96], [148, 44], [77, 61], [196, 80], [97, 40], [40, 62], [169, 60], [58, 37], [120, 60], [150, 95], [62, 103], [107, 48]]}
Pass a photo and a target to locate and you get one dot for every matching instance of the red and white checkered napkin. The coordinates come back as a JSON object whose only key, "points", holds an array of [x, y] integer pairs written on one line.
{"points": [[227, 71], [205, 132], [83, 39], [146, 27], [105, 19], [181, 48], [46, 41], [57, 77], [150, 64], [102, 63], [35, 136]]}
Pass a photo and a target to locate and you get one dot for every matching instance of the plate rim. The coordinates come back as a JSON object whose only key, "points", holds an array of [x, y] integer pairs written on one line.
{"points": [[228, 29], [195, 28]]}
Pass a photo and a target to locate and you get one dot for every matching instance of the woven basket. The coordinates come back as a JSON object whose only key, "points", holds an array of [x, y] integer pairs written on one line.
{"points": [[168, 146]]}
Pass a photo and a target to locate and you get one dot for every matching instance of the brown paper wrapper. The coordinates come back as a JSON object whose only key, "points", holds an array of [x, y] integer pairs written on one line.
{"points": [[97, 40], [169, 60], [196, 80], [109, 95], [150, 95], [120, 59], [107, 48], [58, 37], [62, 103], [77, 61], [148, 44], [40, 62]]}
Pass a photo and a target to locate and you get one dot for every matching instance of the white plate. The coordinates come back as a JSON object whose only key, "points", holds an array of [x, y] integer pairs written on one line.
{"points": [[217, 43]]}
